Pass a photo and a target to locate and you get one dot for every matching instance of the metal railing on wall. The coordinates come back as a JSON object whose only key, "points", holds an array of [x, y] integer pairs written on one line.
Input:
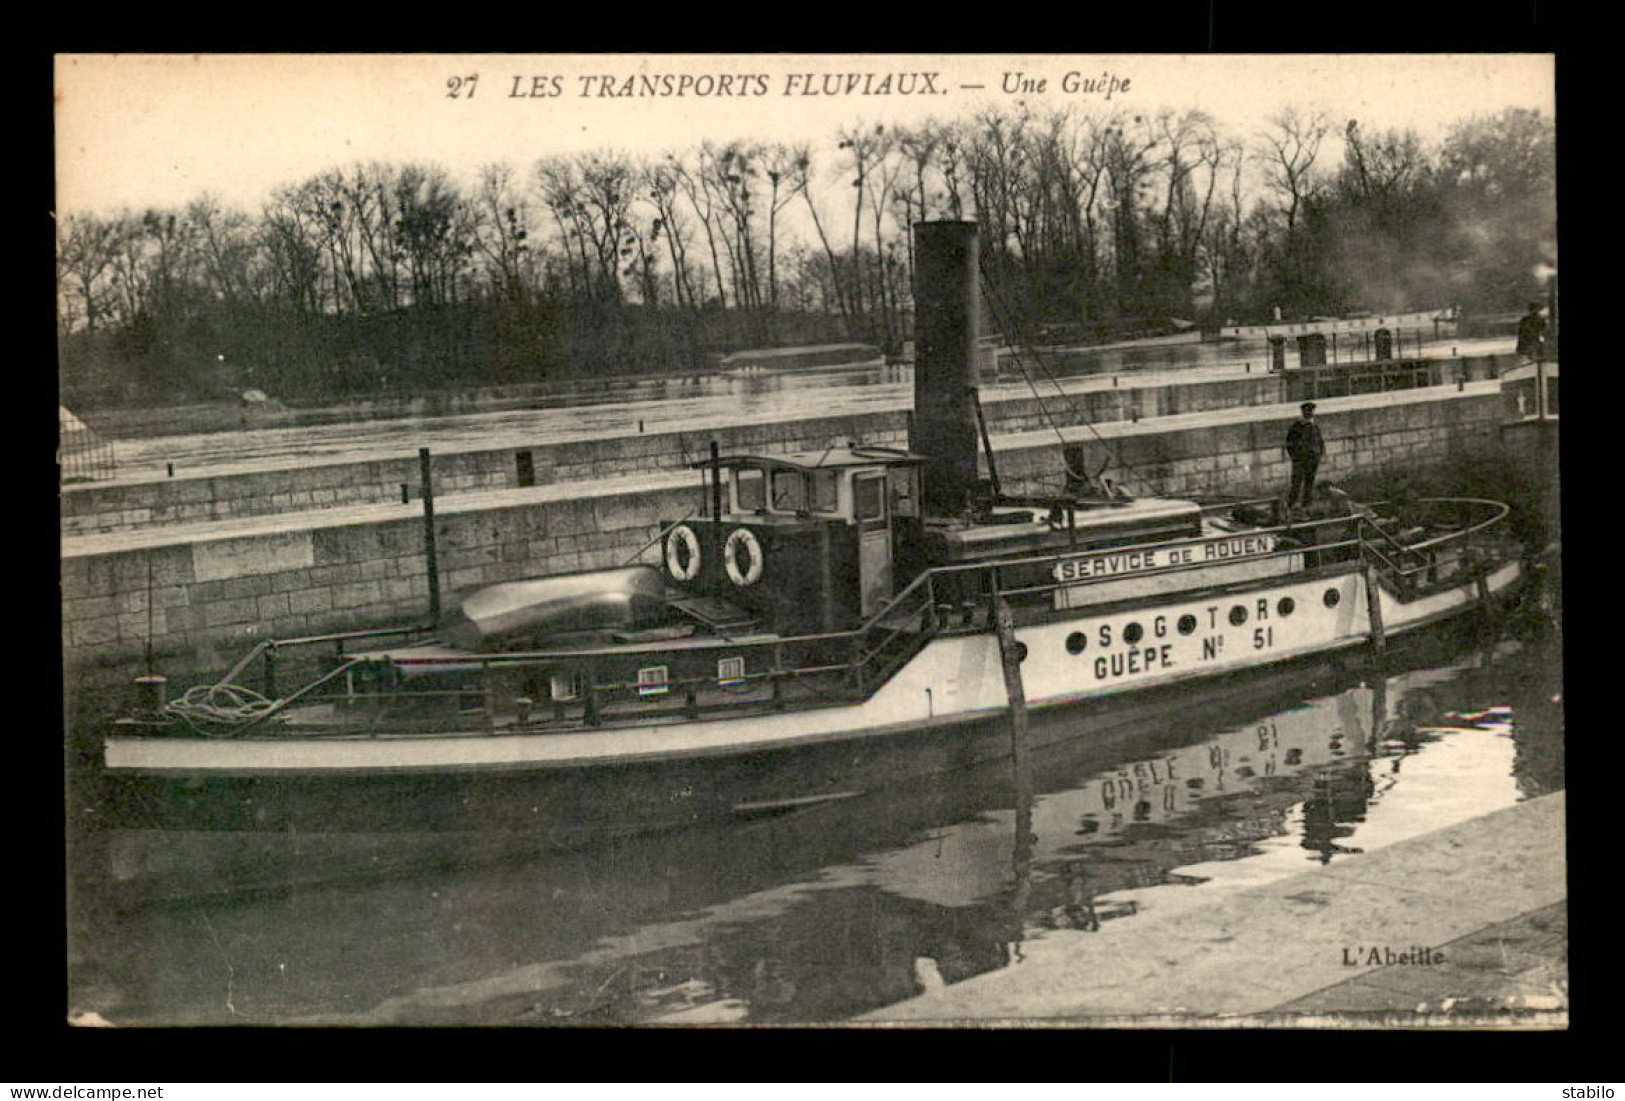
{"points": [[81, 454]]}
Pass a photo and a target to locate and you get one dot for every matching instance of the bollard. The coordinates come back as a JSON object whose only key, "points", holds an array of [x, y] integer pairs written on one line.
{"points": [[406, 494], [150, 690], [640, 426], [430, 557], [171, 467]]}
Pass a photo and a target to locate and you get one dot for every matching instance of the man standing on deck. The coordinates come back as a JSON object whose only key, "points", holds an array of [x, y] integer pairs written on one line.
{"points": [[1304, 447], [1532, 332]]}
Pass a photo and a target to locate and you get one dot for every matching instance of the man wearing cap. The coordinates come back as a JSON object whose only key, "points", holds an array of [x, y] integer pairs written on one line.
{"points": [[1532, 332], [1304, 447]]}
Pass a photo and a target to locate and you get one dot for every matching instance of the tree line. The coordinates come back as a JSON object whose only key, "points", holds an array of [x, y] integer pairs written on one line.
{"points": [[389, 277]]}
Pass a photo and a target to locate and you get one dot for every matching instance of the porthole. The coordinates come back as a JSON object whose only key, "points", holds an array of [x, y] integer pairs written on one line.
{"points": [[1285, 606], [1332, 598], [1075, 642], [1238, 615], [1133, 633], [1187, 624]]}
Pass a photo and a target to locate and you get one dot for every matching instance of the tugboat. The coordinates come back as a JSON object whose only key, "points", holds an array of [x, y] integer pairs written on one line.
{"points": [[826, 623]]}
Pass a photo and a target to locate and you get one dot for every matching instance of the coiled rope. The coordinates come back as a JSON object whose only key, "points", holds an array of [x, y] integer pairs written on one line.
{"points": [[221, 710]]}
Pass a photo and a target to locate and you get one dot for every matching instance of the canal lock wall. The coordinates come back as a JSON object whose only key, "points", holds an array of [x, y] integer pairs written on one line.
{"points": [[90, 509], [197, 600]]}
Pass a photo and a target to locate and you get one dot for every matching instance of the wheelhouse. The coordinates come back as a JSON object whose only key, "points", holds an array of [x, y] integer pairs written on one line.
{"points": [[809, 541]]}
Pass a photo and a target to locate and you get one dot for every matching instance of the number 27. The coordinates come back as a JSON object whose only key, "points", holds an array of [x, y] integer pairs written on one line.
{"points": [[456, 84]]}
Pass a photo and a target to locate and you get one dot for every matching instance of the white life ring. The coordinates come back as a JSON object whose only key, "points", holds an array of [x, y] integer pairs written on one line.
{"points": [[683, 553], [752, 573]]}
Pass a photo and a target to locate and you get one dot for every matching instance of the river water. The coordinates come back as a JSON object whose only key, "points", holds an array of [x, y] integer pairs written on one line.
{"points": [[846, 908]]}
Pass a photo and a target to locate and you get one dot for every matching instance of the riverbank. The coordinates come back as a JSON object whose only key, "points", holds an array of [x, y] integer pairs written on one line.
{"points": [[1460, 927]]}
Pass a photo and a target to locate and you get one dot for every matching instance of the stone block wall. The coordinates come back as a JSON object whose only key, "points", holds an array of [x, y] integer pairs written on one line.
{"points": [[209, 601], [91, 509], [1246, 457]]}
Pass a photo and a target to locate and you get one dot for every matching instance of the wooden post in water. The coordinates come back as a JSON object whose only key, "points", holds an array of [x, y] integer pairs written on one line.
{"points": [[431, 559], [1373, 607], [1379, 710], [1020, 764]]}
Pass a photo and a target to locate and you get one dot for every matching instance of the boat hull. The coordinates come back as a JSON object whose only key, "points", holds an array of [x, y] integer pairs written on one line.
{"points": [[943, 712], [187, 839]]}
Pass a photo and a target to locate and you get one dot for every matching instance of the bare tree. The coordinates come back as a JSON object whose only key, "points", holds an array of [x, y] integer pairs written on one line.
{"points": [[660, 181], [780, 162], [433, 233], [1380, 164], [696, 184], [86, 248], [502, 230], [1291, 145], [801, 181]]}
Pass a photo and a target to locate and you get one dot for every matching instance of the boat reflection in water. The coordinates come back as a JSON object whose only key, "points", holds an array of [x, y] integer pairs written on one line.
{"points": [[847, 907]]}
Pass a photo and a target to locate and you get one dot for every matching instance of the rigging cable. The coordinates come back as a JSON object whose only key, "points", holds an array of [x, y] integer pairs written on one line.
{"points": [[1112, 455]]}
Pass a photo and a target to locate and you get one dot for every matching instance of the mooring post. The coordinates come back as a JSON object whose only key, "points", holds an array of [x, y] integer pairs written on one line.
{"points": [[1373, 607], [716, 511], [1020, 765], [431, 559]]}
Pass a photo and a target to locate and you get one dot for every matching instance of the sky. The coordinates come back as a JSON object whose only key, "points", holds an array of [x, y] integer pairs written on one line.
{"points": [[136, 131]]}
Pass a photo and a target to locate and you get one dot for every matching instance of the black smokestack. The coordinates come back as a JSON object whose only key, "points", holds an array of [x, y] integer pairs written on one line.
{"points": [[945, 378]]}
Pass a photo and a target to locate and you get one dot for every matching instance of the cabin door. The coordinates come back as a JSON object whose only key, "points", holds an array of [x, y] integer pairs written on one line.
{"points": [[874, 541]]}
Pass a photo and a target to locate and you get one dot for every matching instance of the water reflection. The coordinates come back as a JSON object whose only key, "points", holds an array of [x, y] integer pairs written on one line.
{"points": [[846, 908]]}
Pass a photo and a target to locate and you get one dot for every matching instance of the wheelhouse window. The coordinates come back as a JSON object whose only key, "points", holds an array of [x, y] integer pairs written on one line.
{"points": [[789, 491], [750, 489], [731, 671], [871, 498], [826, 490]]}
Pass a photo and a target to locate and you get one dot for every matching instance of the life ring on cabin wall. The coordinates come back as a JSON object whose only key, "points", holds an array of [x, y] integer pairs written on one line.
{"points": [[742, 540], [683, 553]]}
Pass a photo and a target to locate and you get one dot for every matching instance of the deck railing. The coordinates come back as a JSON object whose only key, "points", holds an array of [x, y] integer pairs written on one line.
{"points": [[831, 667]]}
